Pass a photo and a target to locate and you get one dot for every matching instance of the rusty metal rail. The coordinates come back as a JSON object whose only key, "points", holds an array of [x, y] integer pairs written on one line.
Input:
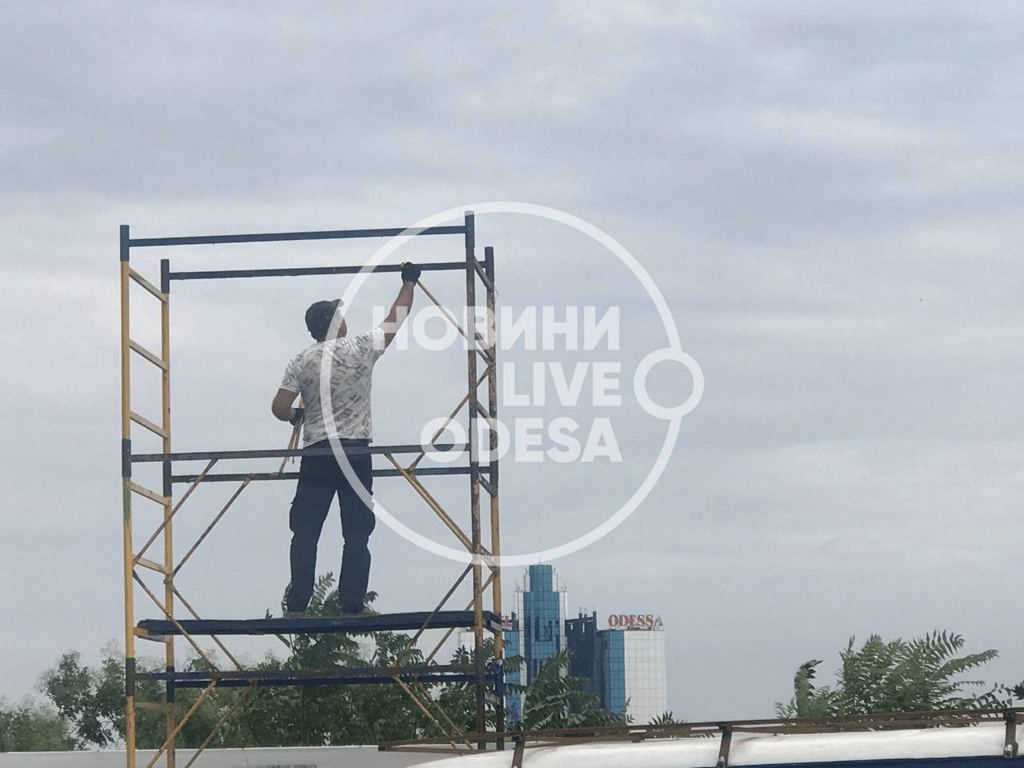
{"points": [[726, 729]]}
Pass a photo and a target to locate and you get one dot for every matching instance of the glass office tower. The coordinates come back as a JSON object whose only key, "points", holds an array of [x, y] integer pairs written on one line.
{"points": [[537, 631], [626, 666], [542, 609], [581, 640]]}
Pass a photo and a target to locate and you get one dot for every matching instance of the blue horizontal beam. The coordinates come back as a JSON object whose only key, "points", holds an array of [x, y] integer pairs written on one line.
{"points": [[388, 622], [270, 237], [426, 673], [454, 678], [238, 477], [280, 453], [434, 266]]}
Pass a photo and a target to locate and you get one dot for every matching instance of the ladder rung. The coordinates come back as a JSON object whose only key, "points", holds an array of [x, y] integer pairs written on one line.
{"points": [[151, 564], [147, 285], [154, 359], [152, 495], [148, 424]]}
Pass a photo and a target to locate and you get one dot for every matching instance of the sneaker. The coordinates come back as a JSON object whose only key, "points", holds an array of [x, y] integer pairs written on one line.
{"points": [[366, 611], [293, 615]]}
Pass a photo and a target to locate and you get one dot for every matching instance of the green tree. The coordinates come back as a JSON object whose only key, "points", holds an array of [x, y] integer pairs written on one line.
{"points": [[666, 718], [458, 700], [27, 727], [384, 712], [91, 702], [925, 674], [330, 715], [555, 699]]}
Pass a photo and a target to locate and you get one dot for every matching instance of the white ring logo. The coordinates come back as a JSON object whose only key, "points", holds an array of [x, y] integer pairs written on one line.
{"points": [[673, 415]]}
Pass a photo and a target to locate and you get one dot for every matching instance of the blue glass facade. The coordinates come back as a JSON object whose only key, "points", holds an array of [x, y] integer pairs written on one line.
{"points": [[541, 619], [513, 700], [624, 664], [611, 668], [581, 638], [537, 632]]}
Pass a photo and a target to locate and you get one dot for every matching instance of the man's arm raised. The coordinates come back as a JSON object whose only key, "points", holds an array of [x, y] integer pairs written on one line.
{"points": [[400, 309]]}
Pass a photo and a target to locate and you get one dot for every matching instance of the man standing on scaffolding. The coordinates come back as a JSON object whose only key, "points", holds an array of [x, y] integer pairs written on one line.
{"points": [[321, 477]]}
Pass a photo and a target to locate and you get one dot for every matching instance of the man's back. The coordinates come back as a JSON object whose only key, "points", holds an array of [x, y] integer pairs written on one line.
{"points": [[349, 364]]}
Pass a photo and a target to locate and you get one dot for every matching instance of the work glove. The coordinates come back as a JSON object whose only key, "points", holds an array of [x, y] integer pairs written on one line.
{"points": [[410, 272], [299, 413]]}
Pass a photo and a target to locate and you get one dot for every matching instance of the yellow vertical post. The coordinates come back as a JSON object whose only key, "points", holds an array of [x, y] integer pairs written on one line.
{"points": [[492, 462], [126, 502], [474, 478], [492, 409], [165, 395]]}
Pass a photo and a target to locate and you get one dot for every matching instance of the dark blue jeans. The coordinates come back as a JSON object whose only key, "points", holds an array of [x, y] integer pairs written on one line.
{"points": [[320, 480]]}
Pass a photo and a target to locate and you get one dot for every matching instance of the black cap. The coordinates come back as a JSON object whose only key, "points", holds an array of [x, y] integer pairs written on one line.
{"points": [[319, 316]]}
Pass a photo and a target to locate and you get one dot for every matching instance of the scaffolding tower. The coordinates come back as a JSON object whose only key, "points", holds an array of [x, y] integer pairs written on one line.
{"points": [[160, 506]]}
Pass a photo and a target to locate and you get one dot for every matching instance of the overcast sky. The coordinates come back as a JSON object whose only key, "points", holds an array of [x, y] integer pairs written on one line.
{"points": [[827, 195]]}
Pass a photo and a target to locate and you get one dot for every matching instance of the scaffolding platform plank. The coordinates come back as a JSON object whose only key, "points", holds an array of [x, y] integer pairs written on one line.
{"points": [[387, 622], [424, 673]]}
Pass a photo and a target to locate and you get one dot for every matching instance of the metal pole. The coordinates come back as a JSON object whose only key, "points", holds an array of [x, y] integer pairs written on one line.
{"points": [[272, 237], [474, 479], [126, 505], [168, 490], [492, 462]]}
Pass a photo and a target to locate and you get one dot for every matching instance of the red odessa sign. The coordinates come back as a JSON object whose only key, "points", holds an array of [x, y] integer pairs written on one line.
{"points": [[634, 621]]}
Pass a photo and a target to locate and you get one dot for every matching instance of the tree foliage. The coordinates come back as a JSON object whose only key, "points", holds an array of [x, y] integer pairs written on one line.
{"points": [[666, 718], [89, 702], [553, 699], [925, 674], [458, 700], [329, 715], [27, 727], [556, 699]]}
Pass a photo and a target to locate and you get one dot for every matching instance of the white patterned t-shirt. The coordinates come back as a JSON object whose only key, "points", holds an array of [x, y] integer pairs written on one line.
{"points": [[349, 365]]}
